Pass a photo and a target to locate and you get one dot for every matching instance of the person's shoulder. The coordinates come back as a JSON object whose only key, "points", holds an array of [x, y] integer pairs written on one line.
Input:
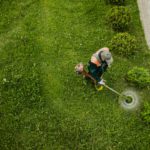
{"points": [[102, 49], [105, 48]]}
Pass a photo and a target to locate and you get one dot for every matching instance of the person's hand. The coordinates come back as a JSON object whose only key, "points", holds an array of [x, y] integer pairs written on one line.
{"points": [[102, 82]]}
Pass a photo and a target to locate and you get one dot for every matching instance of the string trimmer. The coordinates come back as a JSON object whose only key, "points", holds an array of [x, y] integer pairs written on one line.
{"points": [[128, 98]]}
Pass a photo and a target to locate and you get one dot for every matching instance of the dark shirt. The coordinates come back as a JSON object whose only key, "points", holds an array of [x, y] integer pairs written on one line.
{"points": [[95, 71]]}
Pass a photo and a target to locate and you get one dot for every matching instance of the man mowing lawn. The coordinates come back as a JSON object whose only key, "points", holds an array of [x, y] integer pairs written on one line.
{"points": [[100, 61]]}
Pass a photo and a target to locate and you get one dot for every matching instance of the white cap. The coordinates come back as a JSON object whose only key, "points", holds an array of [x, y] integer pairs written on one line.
{"points": [[106, 55]]}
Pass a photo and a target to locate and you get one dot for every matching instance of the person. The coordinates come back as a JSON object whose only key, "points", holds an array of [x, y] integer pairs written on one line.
{"points": [[100, 61]]}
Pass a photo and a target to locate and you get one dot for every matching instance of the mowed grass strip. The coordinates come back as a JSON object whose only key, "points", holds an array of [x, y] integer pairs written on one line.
{"points": [[76, 30], [44, 105]]}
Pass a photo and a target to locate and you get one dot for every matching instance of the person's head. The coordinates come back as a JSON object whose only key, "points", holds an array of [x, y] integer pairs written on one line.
{"points": [[107, 56]]}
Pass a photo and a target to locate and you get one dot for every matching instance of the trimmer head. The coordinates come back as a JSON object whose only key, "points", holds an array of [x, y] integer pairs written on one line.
{"points": [[130, 101]]}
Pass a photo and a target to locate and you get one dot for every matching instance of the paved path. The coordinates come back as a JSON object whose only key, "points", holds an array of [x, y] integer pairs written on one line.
{"points": [[144, 7]]}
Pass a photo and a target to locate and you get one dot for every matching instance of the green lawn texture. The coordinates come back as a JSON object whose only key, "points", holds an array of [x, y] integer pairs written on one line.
{"points": [[44, 105]]}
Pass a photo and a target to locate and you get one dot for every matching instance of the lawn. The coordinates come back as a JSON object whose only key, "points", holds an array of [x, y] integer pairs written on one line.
{"points": [[43, 103]]}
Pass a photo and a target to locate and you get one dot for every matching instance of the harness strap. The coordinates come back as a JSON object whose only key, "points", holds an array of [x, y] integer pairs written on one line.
{"points": [[97, 59], [100, 56]]}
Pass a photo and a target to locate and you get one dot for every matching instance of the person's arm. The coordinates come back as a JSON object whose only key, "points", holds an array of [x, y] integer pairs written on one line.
{"points": [[96, 76], [95, 71], [99, 79]]}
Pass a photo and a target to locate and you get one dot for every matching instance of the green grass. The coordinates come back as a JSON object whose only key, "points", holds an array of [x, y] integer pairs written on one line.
{"points": [[43, 104]]}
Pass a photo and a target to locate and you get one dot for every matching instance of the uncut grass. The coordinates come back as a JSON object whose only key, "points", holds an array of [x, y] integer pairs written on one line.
{"points": [[20, 87], [63, 111]]}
